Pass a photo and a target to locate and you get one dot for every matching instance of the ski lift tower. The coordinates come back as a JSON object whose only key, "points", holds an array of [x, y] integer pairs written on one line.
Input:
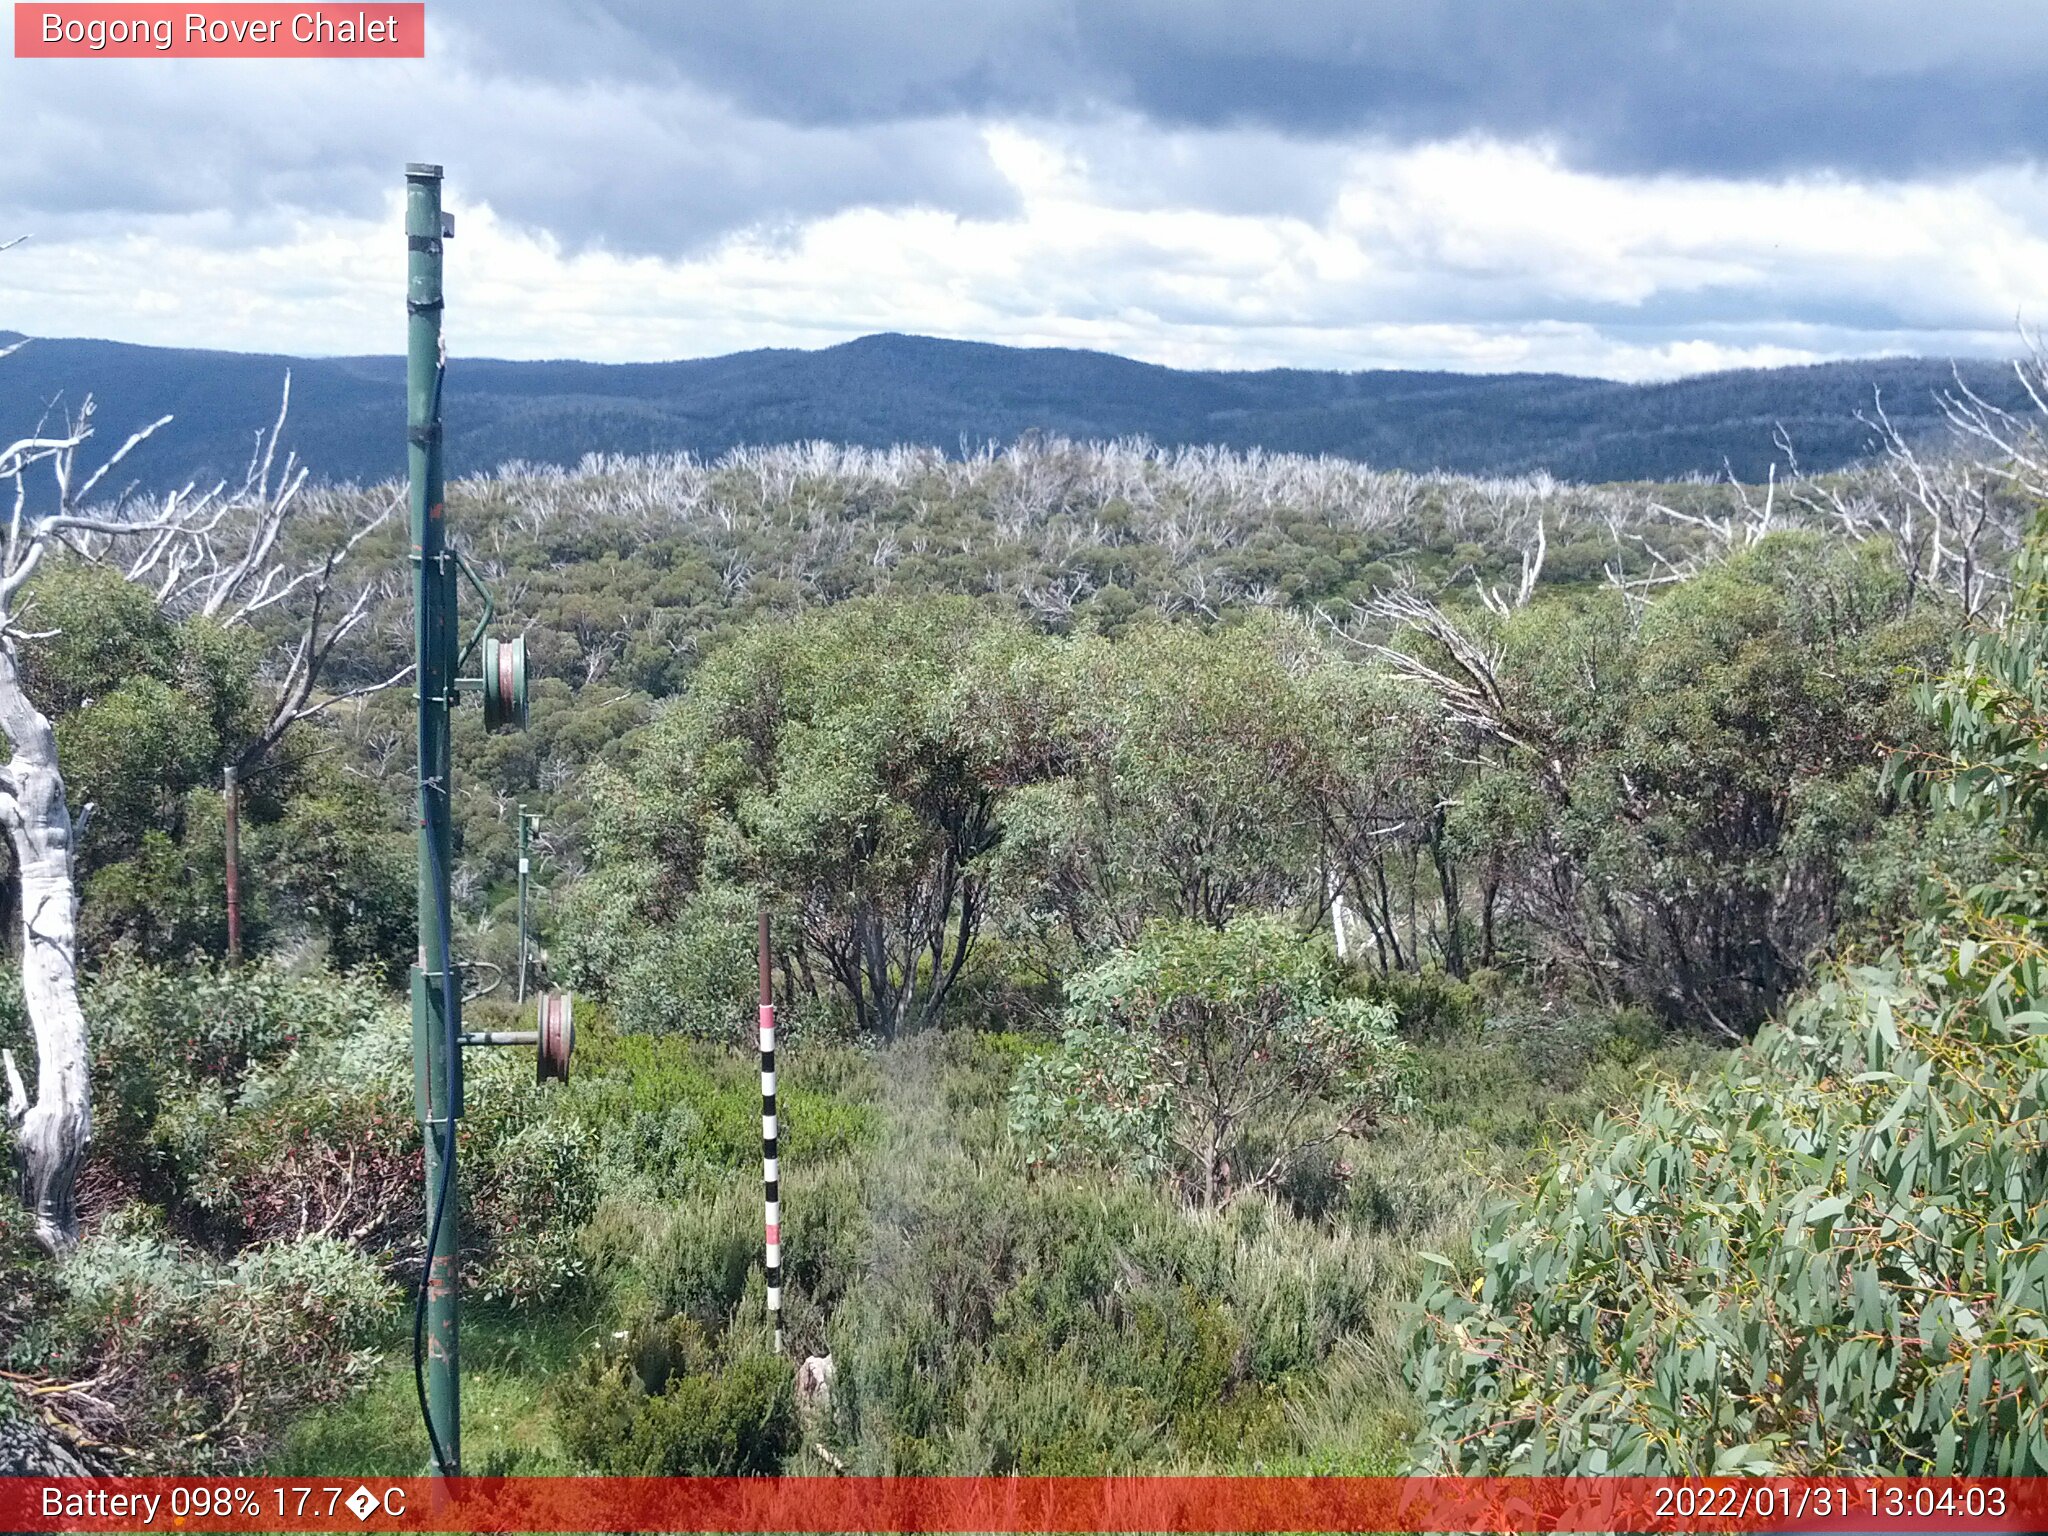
{"points": [[437, 1035]]}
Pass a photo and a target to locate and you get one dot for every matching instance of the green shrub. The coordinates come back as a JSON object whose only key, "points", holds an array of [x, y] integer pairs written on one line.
{"points": [[1429, 1005], [697, 1266], [1562, 1042], [1062, 1327], [673, 1110], [664, 1403], [530, 1172], [692, 974], [305, 1304], [175, 1052], [324, 1139], [1216, 1057], [204, 1362], [29, 1295], [1827, 1257], [826, 1232], [1050, 1420]]}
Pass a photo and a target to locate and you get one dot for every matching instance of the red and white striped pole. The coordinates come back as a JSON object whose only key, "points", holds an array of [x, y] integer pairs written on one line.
{"points": [[771, 1173]]}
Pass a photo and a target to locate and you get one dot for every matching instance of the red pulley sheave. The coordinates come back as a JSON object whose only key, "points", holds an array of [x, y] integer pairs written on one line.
{"points": [[557, 1031], [505, 684]]}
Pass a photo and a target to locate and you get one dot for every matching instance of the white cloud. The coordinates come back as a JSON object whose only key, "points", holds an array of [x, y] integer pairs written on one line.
{"points": [[1466, 254]]}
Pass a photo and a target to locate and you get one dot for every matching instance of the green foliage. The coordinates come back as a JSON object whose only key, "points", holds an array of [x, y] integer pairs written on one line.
{"points": [[676, 1114], [146, 712], [1706, 781], [692, 974], [955, 807], [30, 1298], [341, 863], [702, 1271], [258, 1105], [1785, 1270], [1675, 809], [666, 1404], [177, 1052], [530, 1178], [1191, 764], [1827, 1257], [206, 1358], [1216, 1056], [847, 769], [1058, 1326], [1428, 1005], [1065, 1325]]}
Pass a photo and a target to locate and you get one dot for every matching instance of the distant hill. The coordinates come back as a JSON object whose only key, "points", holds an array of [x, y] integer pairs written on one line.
{"points": [[348, 422]]}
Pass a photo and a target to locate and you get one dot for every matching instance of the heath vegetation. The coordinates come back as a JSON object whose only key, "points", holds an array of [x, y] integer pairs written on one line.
{"points": [[1285, 967]]}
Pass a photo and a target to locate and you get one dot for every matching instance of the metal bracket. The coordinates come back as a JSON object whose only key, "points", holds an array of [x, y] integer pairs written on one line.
{"points": [[476, 636], [426, 1006], [554, 1041]]}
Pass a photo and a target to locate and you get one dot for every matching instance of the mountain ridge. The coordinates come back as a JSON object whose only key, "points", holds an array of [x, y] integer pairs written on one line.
{"points": [[889, 387]]}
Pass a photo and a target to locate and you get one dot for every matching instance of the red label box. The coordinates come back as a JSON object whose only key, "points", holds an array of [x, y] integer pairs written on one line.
{"points": [[367, 29], [1675, 1506]]}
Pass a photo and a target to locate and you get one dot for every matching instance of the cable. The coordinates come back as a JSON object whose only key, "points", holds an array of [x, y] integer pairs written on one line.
{"points": [[445, 1192]]}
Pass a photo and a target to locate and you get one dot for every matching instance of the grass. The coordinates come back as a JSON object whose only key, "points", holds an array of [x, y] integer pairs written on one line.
{"points": [[508, 1428], [988, 1319]]}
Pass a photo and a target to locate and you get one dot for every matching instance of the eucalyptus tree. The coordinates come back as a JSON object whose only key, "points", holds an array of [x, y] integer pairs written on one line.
{"points": [[1217, 1058], [1826, 1257], [1673, 797], [219, 555], [1193, 783], [849, 769]]}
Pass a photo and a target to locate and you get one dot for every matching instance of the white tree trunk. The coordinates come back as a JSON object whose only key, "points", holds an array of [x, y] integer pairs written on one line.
{"points": [[52, 1131]]}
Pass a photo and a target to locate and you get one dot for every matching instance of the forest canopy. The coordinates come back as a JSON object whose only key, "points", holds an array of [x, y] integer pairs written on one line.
{"points": [[1200, 883]]}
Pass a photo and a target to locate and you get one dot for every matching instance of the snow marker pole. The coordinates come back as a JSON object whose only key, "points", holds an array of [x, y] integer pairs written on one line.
{"points": [[771, 1173]]}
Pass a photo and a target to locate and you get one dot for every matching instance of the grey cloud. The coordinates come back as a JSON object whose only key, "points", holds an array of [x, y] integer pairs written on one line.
{"points": [[651, 126], [233, 152], [1741, 87], [651, 172], [1232, 171]]}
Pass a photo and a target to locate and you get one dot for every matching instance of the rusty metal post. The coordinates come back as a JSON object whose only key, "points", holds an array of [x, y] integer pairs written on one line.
{"points": [[231, 835]]}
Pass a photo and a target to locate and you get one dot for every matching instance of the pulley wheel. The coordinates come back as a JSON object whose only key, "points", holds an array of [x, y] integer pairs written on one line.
{"points": [[505, 684], [557, 1029]]}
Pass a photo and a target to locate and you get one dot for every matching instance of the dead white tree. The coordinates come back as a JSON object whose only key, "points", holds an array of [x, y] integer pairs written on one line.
{"points": [[1748, 524], [1532, 572], [220, 554], [51, 1131], [1468, 682], [1951, 517]]}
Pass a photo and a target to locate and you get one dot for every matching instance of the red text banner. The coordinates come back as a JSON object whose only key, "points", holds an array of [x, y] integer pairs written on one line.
{"points": [[943, 1504], [220, 31]]}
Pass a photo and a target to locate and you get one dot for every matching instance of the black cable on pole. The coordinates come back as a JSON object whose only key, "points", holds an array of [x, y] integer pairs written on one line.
{"points": [[445, 1192]]}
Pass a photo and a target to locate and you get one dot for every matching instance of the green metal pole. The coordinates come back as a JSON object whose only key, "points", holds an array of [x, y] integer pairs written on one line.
{"points": [[435, 994], [525, 824]]}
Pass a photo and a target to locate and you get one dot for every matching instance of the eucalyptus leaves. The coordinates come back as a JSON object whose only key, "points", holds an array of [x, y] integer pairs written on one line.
{"points": [[1834, 1256], [1216, 1058]]}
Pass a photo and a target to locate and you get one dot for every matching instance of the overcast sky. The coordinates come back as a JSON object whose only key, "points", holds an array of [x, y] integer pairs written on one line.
{"points": [[1634, 188]]}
